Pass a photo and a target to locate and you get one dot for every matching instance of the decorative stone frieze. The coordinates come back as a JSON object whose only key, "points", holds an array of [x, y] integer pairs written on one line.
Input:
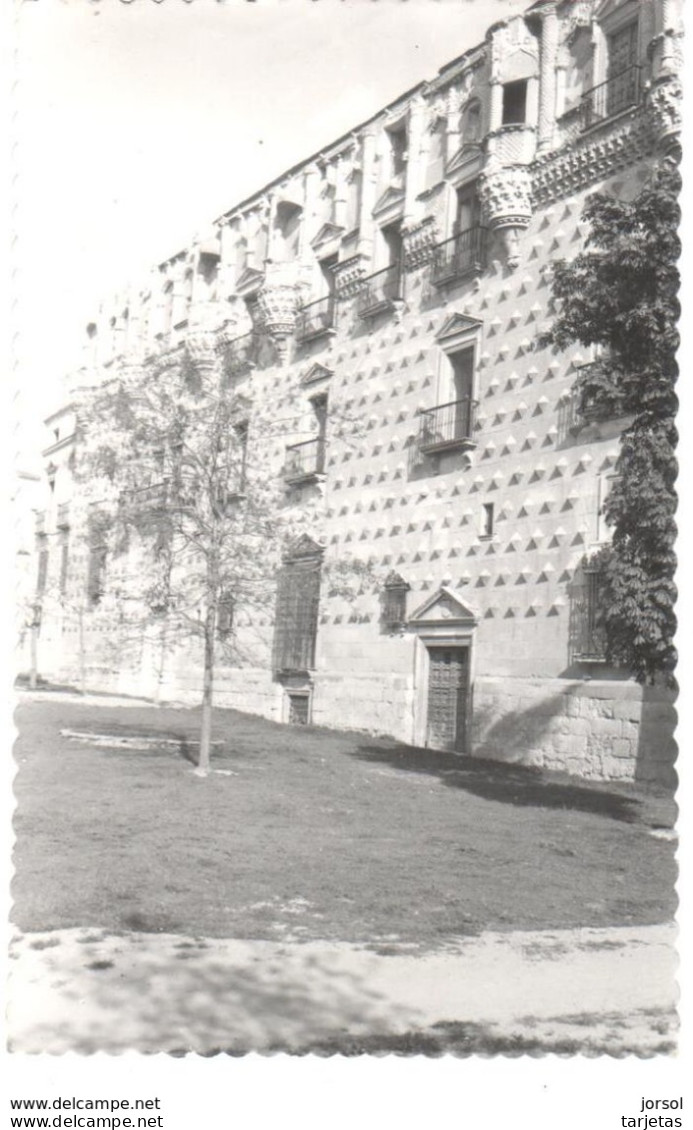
{"points": [[278, 301], [506, 195], [577, 16], [348, 275], [419, 241], [598, 157]]}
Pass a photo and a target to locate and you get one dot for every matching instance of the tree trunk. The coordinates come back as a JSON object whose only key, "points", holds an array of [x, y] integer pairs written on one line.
{"points": [[207, 685], [208, 675], [82, 655], [161, 666], [33, 655]]}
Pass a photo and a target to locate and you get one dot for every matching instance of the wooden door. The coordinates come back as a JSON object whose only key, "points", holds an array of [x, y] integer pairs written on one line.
{"points": [[448, 691]]}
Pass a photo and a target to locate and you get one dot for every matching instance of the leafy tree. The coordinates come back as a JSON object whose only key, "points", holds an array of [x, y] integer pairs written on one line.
{"points": [[178, 456], [620, 293], [165, 447]]}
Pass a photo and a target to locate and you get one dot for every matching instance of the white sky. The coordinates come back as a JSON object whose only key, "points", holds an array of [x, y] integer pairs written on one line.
{"points": [[138, 123]]}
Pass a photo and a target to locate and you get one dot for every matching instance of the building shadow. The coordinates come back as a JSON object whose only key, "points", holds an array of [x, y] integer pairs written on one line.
{"points": [[519, 785]]}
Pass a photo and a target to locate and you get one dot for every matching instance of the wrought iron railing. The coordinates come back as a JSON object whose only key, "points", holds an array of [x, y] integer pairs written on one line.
{"points": [[447, 425], [239, 354], [590, 407], [305, 459], [151, 497], [380, 290], [315, 318], [463, 254], [618, 93]]}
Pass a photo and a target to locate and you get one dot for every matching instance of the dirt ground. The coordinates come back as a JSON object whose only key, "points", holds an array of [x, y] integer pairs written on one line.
{"points": [[568, 991]]}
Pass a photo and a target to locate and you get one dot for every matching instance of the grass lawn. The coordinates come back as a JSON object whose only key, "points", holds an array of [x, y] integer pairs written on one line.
{"points": [[312, 833]]}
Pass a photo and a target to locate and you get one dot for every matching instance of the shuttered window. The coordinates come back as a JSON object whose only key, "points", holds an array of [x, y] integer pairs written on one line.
{"points": [[296, 618]]}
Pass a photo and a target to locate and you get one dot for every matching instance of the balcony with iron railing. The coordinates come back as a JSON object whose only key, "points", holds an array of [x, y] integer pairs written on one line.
{"points": [[462, 255], [607, 99], [380, 291], [447, 427], [586, 407], [239, 355], [304, 462], [152, 497], [316, 318]]}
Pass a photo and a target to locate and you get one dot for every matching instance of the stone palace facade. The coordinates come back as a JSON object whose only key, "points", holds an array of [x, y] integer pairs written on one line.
{"points": [[403, 275]]}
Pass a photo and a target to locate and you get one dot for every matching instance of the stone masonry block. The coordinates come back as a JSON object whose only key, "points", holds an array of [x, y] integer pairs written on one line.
{"points": [[622, 747], [629, 711]]}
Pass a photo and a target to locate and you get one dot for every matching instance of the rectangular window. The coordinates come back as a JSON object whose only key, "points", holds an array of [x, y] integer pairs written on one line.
{"points": [[42, 574], [393, 244], [241, 437], [515, 102], [622, 70], [605, 484], [296, 618], [468, 209], [64, 563], [398, 151], [487, 520], [225, 615], [353, 201], [393, 602], [587, 616], [96, 569], [462, 366], [327, 267], [299, 709]]}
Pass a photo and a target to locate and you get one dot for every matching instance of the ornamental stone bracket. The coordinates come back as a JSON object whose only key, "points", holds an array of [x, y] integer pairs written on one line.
{"points": [[419, 240], [278, 302], [349, 274], [664, 108], [506, 195], [202, 346]]}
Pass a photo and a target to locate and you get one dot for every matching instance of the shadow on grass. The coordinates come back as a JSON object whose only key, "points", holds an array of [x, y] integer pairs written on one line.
{"points": [[508, 784], [466, 1038]]}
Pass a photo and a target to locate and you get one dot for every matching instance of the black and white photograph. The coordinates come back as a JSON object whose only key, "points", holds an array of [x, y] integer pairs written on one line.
{"points": [[344, 533]]}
